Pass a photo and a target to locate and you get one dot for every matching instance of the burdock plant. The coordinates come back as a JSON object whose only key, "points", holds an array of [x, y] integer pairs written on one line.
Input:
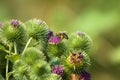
{"points": [[32, 51]]}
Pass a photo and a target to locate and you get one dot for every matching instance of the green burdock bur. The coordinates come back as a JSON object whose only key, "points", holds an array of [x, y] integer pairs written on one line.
{"points": [[32, 51]]}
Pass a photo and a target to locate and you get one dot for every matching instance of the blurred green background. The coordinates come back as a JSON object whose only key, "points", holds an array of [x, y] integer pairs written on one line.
{"points": [[98, 18]]}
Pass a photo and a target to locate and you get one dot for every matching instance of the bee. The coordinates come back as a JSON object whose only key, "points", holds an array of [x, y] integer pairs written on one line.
{"points": [[62, 35]]}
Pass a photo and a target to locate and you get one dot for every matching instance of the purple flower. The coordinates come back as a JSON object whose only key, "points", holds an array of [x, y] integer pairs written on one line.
{"points": [[55, 40], [76, 58], [85, 76], [15, 23], [57, 69], [50, 34]]}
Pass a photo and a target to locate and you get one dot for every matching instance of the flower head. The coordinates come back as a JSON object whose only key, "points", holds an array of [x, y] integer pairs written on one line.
{"points": [[85, 76], [58, 69], [76, 58], [15, 23], [55, 40]]}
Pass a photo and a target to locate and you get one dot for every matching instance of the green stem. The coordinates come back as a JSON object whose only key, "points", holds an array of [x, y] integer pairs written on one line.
{"points": [[27, 45], [7, 62], [10, 73], [15, 48]]}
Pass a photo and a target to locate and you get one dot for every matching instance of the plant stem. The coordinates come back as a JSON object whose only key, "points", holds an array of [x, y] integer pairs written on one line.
{"points": [[28, 42], [7, 64], [15, 48]]}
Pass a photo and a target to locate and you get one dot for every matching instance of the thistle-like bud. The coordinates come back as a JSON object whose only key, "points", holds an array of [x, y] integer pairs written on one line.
{"points": [[39, 69], [58, 69], [76, 58], [31, 55], [19, 69], [37, 29], [13, 31], [80, 42], [77, 61]]}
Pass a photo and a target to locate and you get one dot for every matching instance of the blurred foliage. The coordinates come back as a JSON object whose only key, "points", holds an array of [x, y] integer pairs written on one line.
{"points": [[99, 18]]}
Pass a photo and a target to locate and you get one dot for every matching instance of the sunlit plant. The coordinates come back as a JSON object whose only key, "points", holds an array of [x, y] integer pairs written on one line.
{"points": [[32, 51]]}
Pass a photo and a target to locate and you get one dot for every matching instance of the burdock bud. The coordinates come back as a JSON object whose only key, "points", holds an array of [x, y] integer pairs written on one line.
{"points": [[37, 29], [80, 42], [77, 61]]}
